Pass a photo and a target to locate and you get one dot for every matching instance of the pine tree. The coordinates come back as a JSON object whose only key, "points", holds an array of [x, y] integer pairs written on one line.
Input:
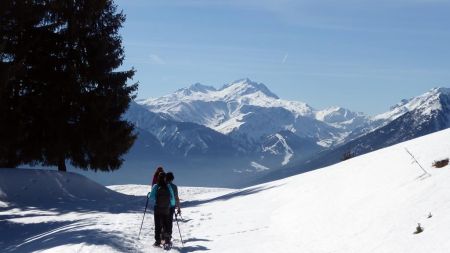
{"points": [[18, 22], [70, 98]]}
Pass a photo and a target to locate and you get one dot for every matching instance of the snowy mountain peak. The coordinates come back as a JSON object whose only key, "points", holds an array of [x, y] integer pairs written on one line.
{"points": [[425, 103], [432, 94], [441, 90], [246, 86], [331, 112], [400, 104], [341, 117], [436, 91], [198, 87], [193, 89]]}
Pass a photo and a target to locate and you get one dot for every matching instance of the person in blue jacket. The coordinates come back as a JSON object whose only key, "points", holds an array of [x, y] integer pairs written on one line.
{"points": [[169, 180], [162, 199]]}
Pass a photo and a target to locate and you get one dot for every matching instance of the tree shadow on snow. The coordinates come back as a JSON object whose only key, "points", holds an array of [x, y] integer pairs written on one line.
{"points": [[17, 237], [28, 237], [239, 193], [121, 204]]}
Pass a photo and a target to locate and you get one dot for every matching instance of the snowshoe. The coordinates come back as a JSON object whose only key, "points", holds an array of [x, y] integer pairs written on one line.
{"points": [[167, 246]]}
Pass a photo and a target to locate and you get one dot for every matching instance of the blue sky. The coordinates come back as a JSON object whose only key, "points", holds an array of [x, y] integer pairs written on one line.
{"points": [[363, 55]]}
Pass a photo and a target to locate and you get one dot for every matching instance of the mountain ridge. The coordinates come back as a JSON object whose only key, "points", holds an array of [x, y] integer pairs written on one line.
{"points": [[241, 123], [224, 110]]}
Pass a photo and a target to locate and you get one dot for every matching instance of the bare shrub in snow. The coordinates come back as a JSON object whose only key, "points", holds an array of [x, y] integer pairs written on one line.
{"points": [[440, 163]]}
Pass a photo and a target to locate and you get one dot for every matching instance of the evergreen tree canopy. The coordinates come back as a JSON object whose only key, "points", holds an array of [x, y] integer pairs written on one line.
{"points": [[61, 98]]}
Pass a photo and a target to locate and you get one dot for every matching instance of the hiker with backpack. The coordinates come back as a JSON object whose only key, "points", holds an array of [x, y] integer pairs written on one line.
{"points": [[155, 175], [169, 181], [162, 199]]}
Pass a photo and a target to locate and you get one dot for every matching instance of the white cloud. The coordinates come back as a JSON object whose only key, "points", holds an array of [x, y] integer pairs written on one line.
{"points": [[285, 58], [155, 59]]}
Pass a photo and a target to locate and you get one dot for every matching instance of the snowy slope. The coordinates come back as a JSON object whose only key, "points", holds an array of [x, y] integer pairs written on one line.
{"points": [[371, 203], [368, 204], [58, 212], [40, 187]]}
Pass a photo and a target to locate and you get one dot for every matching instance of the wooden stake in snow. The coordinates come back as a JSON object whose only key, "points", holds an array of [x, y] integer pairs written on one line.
{"points": [[415, 161]]}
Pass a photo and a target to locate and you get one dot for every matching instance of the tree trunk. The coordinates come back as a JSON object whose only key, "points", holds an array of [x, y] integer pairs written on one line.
{"points": [[11, 161], [62, 165]]}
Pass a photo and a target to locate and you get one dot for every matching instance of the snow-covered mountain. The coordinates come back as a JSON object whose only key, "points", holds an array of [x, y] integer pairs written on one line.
{"points": [[418, 116], [190, 149], [245, 122], [434, 100], [423, 106], [283, 148], [179, 131], [181, 138], [244, 125], [342, 118], [198, 149], [219, 109], [407, 120], [242, 107], [372, 203]]}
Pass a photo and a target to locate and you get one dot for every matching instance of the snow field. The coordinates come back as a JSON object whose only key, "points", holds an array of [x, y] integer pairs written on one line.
{"points": [[60, 218], [370, 203]]}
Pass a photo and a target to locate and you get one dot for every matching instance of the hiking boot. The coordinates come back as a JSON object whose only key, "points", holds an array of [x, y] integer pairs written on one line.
{"points": [[167, 245], [157, 244]]}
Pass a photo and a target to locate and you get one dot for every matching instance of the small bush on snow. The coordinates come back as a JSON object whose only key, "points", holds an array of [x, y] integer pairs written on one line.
{"points": [[440, 163], [419, 229]]}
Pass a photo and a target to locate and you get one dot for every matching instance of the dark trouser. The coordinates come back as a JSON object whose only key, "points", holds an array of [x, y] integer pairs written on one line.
{"points": [[172, 212], [163, 225]]}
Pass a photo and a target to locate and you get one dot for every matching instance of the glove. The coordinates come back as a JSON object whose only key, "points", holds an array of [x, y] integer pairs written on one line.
{"points": [[148, 194]]}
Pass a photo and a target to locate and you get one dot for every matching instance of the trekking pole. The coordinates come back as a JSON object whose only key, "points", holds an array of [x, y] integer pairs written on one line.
{"points": [[146, 203], [415, 161], [182, 243]]}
